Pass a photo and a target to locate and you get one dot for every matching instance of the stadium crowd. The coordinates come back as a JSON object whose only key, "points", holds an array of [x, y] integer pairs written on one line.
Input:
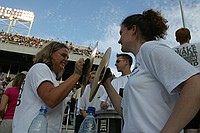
{"points": [[36, 42], [4, 81]]}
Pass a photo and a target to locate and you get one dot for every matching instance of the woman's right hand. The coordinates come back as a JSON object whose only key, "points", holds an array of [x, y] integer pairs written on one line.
{"points": [[108, 77], [79, 66]]}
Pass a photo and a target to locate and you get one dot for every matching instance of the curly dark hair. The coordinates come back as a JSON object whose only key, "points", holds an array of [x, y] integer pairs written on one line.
{"points": [[150, 23]]}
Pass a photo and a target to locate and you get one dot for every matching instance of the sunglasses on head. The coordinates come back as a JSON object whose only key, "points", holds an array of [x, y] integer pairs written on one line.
{"points": [[118, 60]]}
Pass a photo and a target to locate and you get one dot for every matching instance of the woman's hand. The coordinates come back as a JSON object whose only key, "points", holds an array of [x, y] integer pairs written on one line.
{"points": [[108, 77], [79, 66], [104, 105]]}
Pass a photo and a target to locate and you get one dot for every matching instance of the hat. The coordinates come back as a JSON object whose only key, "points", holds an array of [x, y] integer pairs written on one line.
{"points": [[24, 72]]}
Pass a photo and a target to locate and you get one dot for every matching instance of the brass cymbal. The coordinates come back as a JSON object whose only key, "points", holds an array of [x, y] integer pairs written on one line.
{"points": [[100, 73], [88, 67]]}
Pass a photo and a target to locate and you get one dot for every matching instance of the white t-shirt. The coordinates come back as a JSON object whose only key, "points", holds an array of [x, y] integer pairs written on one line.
{"points": [[190, 52], [84, 99], [117, 83], [151, 91], [31, 102]]}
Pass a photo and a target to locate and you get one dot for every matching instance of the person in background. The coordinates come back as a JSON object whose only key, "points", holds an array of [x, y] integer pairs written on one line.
{"points": [[78, 117], [1, 89], [6, 81], [190, 52], [42, 88], [1, 84], [183, 36], [9, 102], [123, 65], [84, 99], [10, 83], [163, 92]]}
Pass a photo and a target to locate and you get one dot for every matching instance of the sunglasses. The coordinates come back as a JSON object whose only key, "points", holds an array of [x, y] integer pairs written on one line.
{"points": [[118, 60], [64, 55]]}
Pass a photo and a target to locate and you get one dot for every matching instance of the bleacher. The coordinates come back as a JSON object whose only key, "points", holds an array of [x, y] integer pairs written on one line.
{"points": [[16, 54], [17, 51]]}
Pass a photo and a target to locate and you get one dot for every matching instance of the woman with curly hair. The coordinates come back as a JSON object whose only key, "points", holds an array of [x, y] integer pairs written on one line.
{"points": [[163, 91]]}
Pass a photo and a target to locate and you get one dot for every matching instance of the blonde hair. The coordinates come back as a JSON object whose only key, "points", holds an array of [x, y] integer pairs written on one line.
{"points": [[44, 55]]}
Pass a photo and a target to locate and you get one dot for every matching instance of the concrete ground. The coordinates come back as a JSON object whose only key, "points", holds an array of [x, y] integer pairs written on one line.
{"points": [[68, 131]]}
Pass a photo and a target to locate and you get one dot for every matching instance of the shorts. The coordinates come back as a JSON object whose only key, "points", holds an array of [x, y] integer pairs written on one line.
{"points": [[6, 126]]}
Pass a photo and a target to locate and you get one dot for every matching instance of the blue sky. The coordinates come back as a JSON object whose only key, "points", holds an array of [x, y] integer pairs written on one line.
{"points": [[86, 22]]}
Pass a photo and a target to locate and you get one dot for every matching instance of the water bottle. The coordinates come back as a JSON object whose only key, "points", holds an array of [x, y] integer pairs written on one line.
{"points": [[39, 123], [89, 124]]}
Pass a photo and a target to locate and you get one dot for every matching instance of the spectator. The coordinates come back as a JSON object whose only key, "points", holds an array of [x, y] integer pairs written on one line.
{"points": [[38, 43], [123, 65], [9, 85], [163, 92], [190, 52], [9, 102], [42, 88], [84, 100], [78, 117]]}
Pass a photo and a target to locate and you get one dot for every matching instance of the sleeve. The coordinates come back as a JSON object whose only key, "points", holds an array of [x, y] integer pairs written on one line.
{"points": [[81, 105], [167, 66], [83, 100], [101, 91], [40, 73], [103, 97], [75, 96], [7, 92]]}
